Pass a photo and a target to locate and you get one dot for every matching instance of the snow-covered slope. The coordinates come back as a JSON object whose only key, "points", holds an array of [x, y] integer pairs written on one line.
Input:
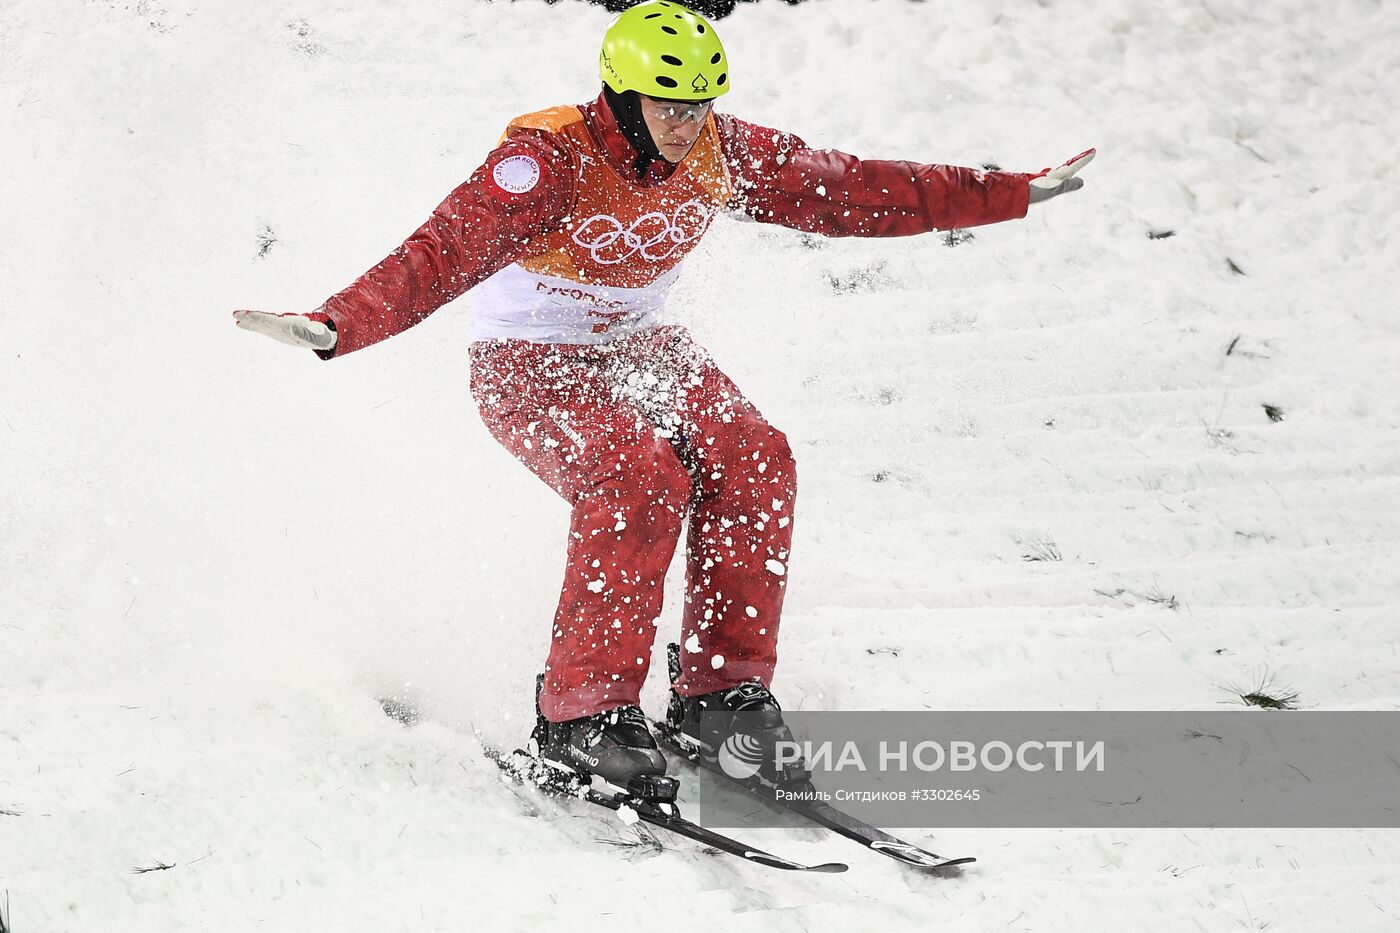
{"points": [[215, 552]]}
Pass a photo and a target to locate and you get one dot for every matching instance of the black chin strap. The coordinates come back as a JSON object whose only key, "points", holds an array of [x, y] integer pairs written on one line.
{"points": [[627, 110]]}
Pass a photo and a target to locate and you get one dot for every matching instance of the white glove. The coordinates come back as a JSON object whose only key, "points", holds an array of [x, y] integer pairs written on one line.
{"points": [[299, 330], [1051, 182]]}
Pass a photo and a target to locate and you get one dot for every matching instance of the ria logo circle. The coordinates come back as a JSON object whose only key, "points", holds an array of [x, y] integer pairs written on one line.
{"points": [[741, 756]]}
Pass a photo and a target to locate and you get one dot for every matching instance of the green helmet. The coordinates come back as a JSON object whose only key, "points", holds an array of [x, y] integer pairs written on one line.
{"points": [[662, 49]]}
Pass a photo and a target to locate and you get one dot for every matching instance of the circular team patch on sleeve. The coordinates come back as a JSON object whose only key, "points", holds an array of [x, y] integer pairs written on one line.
{"points": [[516, 174]]}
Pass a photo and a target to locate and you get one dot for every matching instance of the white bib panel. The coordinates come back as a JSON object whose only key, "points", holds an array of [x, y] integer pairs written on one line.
{"points": [[522, 305]]}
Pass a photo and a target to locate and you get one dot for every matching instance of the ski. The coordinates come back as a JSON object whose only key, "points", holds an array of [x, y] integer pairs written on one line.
{"points": [[819, 812], [527, 769]]}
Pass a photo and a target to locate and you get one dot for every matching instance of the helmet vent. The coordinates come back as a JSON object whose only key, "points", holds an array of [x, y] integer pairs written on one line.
{"points": [[670, 30], [714, 59], [652, 16], [671, 60], [722, 78], [700, 28], [665, 81]]}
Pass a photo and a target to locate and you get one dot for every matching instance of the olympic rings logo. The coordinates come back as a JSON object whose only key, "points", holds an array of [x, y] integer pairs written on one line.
{"points": [[653, 236]]}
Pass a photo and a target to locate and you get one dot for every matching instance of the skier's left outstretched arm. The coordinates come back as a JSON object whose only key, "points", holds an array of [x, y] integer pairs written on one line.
{"points": [[781, 180]]}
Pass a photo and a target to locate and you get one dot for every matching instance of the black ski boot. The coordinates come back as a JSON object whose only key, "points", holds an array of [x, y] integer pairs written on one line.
{"points": [[738, 726], [615, 747]]}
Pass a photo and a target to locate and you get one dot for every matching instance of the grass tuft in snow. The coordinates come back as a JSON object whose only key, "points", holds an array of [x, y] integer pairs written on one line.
{"points": [[1157, 597], [1041, 549], [401, 709], [1274, 412], [1178, 872], [642, 842], [1234, 349], [1221, 438], [1265, 694], [882, 395], [304, 39], [1154, 596], [862, 279], [158, 866], [266, 240]]}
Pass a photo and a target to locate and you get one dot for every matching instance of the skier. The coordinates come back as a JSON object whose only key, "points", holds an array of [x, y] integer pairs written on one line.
{"points": [[571, 233]]}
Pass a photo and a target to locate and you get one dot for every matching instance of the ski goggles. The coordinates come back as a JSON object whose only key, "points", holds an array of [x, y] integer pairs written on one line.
{"points": [[678, 111]]}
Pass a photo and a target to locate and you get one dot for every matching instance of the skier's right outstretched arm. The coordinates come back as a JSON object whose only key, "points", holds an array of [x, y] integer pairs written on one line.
{"points": [[525, 188]]}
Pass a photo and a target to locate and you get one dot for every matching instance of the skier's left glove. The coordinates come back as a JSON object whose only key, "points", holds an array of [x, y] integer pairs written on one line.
{"points": [[1051, 182]]}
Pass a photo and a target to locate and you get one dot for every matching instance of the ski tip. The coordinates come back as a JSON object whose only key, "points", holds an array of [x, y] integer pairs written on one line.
{"points": [[829, 868], [953, 863], [915, 856], [774, 861]]}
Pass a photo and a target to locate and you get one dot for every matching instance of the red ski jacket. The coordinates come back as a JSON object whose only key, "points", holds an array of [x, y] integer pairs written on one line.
{"points": [[775, 177]]}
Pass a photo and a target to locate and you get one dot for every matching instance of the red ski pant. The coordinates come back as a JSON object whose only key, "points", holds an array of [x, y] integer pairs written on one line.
{"points": [[634, 434]]}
